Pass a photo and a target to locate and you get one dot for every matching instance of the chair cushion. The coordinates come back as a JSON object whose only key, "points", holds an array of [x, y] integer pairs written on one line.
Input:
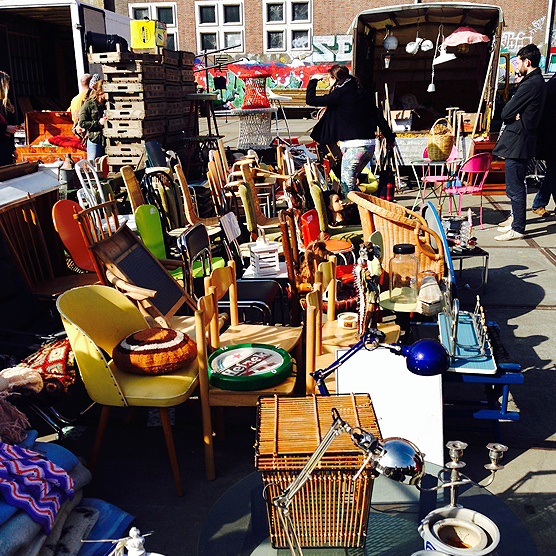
{"points": [[154, 351]]}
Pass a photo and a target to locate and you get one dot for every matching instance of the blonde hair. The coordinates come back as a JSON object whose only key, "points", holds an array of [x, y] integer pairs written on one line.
{"points": [[4, 88], [96, 90]]}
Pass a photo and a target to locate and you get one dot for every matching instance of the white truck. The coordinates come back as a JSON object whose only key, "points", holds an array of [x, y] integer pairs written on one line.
{"points": [[43, 45]]}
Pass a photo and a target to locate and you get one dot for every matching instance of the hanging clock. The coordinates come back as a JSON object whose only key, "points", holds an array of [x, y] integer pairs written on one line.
{"points": [[249, 367]]}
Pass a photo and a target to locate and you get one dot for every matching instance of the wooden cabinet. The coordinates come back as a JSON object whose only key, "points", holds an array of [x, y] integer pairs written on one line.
{"points": [[495, 183]]}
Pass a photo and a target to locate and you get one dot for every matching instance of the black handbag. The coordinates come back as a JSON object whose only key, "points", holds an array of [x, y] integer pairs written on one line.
{"points": [[386, 177]]}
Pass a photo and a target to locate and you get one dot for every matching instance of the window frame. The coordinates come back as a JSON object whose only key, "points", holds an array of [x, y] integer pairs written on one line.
{"points": [[288, 25], [220, 28]]}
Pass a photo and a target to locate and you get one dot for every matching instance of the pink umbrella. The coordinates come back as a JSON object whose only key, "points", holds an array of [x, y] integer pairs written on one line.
{"points": [[464, 35]]}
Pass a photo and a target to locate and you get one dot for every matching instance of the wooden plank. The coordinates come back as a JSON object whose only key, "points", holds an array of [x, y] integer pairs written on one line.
{"points": [[129, 160], [117, 57], [147, 71], [132, 88]]}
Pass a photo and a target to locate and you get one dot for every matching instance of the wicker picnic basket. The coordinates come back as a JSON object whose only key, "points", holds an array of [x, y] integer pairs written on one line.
{"points": [[331, 510], [441, 140]]}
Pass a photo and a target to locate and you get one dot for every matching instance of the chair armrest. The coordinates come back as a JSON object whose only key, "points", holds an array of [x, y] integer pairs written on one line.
{"points": [[133, 292]]}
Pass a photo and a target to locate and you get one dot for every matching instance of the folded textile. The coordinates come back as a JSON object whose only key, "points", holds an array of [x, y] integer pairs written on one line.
{"points": [[77, 527], [41, 539], [113, 523], [33, 483], [20, 529]]}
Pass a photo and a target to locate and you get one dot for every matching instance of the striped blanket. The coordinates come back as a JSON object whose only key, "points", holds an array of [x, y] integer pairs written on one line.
{"points": [[33, 483]]}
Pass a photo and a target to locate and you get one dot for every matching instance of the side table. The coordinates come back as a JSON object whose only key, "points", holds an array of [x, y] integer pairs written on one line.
{"points": [[460, 255]]}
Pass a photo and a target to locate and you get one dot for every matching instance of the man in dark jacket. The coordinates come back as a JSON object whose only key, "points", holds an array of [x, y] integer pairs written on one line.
{"points": [[546, 150], [518, 137]]}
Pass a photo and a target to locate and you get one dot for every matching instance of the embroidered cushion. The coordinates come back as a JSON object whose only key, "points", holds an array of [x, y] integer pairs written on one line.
{"points": [[154, 351]]}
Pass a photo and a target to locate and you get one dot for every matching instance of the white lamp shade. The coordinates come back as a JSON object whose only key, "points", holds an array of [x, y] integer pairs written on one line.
{"points": [[443, 56], [390, 42]]}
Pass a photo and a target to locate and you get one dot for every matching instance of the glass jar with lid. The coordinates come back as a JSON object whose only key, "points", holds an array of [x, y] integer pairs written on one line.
{"points": [[404, 273]]}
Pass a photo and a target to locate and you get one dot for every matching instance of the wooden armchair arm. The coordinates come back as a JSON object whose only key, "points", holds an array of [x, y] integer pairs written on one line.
{"points": [[133, 292]]}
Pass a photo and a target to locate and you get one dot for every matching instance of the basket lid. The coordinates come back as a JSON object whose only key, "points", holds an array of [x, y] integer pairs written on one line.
{"points": [[292, 428]]}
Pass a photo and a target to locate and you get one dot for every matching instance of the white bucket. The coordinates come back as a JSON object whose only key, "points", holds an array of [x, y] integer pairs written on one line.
{"points": [[459, 532]]}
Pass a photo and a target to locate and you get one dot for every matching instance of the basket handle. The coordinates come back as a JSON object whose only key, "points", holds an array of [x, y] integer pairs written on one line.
{"points": [[439, 121]]}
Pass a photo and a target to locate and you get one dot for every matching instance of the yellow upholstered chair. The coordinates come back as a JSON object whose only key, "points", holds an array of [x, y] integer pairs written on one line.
{"points": [[97, 319]]}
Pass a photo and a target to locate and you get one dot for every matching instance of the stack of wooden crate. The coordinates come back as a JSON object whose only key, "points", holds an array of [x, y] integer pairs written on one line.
{"points": [[145, 102]]}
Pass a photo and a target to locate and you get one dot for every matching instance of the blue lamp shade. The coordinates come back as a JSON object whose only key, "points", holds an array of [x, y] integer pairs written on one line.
{"points": [[426, 358]]}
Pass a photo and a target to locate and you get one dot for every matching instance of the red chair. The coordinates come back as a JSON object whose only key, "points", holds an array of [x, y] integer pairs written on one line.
{"points": [[470, 178], [68, 229], [310, 230]]}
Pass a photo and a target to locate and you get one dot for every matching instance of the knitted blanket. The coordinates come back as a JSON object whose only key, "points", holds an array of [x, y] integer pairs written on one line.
{"points": [[33, 483]]}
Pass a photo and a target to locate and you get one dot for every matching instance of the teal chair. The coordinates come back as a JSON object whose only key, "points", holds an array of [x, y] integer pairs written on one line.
{"points": [[149, 226]]}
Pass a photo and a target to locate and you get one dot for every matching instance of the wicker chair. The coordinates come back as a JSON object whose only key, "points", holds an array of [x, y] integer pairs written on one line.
{"points": [[399, 225]]}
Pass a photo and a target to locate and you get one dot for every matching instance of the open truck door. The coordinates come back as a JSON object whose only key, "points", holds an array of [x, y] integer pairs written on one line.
{"points": [[468, 80]]}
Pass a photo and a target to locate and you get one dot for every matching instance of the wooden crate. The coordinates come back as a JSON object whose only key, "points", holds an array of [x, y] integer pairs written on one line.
{"points": [[177, 108], [173, 91], [136, 70], [187, 75], [125, 147], [117, 57], [124, 160], [173, 125], [134, 128], [187, 59], [125, 88], [170, 57], [331, 509], [188, 88], [135, 110], [173, 74]]}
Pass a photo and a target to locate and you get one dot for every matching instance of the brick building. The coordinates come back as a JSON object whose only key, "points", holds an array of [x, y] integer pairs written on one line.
{"points": [[284, 29]]}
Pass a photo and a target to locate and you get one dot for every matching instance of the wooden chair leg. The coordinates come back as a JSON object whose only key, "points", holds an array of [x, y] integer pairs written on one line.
{"points": [[169, 437], [101, 428], [219, 426]]}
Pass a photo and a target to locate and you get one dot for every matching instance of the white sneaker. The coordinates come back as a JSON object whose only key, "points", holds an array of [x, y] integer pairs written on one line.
{"points": [[505, 223], [504, 228], [509, 235]]}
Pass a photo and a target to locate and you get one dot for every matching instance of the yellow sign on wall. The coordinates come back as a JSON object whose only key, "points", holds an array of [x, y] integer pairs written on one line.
{"points": [[147, 34]]}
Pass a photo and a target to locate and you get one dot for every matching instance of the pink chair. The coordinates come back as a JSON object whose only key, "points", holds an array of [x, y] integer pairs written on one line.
{"points": [[433, 172], [470, 178]]}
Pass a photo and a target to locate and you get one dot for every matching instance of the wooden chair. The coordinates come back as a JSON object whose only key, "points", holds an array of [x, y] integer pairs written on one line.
{"points": [[222, 281], [96, 319], [218, 397], [133, 188], [191, 215], [94, 193], [272, 232], [124, 261], [398, 224]]}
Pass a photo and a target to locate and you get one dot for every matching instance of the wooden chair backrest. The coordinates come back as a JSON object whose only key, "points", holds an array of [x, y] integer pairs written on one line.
{"points": [[133, 188], [223, 280], [288, 229], [189, 207]]}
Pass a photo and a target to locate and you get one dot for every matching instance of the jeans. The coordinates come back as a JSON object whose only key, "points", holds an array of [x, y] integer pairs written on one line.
{"points": [[94, 150], [354, 159], [547, 188], [516, 190]]}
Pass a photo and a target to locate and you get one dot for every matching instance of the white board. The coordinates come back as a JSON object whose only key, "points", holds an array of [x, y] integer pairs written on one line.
{"points": [[406, 405]]}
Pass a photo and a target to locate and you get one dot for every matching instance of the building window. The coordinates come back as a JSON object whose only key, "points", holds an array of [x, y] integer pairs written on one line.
{"points": [[275, 13], [232, 39], [164, 12], [300, 40], [300, 11], [232, 14], [275, 40], [207, 15], [287, 25], [219, 25]]}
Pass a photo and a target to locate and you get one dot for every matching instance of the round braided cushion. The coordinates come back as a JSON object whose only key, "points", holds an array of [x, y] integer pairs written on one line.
{"points": [[154, 351]]}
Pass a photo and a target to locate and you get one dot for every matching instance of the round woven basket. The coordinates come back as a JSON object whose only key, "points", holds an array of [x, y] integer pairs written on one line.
{"points": [[441, 140]]}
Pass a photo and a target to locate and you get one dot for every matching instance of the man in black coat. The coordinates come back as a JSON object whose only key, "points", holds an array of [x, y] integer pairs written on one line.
{"points": [[518, 137], [546, 150]]}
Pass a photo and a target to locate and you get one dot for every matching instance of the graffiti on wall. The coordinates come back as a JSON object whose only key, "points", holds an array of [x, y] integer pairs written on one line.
{"points": [[287, 72], [512, 41]]}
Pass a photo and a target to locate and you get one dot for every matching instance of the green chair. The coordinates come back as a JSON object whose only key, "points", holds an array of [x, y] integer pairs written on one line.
{"points": [[149, 226]]}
